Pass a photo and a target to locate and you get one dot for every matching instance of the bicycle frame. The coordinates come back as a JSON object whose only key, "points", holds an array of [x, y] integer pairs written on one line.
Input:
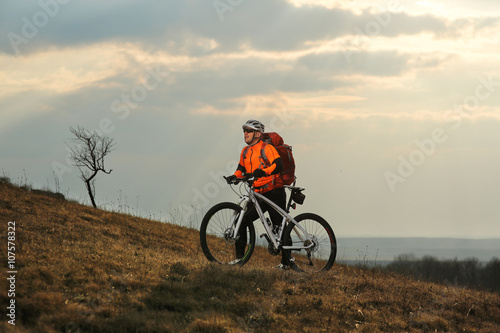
{"points": [[253, 196]]}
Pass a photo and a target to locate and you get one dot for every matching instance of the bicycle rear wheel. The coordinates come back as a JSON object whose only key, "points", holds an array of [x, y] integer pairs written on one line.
{"points": [[216, 238], [319, 257]]}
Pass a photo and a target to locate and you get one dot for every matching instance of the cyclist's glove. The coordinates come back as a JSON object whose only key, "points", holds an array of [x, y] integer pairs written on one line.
{"points": [[259, 173], [230, 179]]}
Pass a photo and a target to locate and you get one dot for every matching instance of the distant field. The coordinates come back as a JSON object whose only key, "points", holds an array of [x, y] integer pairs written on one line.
{"points": [[386, 249]]}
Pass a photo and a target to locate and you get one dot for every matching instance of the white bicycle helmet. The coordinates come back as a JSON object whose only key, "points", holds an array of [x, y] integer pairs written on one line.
{"points": [[255, 125]]}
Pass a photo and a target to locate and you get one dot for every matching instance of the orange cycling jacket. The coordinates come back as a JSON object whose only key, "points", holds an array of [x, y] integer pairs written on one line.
{"points": [[251, 159]]}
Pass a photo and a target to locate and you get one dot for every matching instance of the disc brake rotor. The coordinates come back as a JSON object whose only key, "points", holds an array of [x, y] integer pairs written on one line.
{"points": [[228, 236]]}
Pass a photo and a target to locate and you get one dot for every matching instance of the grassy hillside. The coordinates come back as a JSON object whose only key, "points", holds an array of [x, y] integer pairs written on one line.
{"points": [[85, 270]]}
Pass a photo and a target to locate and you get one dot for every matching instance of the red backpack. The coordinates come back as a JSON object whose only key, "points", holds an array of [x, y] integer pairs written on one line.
{"points": [[285, 151]]}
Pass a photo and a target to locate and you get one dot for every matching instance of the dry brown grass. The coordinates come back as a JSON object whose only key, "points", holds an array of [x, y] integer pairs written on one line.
{"points": [[85, 270]]}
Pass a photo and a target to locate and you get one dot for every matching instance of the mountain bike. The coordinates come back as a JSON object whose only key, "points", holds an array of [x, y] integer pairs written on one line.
{"points": [[307, 240]]}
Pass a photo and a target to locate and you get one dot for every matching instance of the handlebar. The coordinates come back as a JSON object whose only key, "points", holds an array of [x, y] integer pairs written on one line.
{"points": [[296, 192], [247, 177]]}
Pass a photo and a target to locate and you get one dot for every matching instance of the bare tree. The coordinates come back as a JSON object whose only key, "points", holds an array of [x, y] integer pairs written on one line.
{"points": [[88, 155]]}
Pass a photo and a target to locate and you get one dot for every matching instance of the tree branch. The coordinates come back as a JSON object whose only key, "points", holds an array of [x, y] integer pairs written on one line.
{"points": [[88, 155]]}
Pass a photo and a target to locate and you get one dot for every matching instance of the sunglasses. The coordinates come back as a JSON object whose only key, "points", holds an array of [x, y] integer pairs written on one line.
{"points": [[248, 130]]}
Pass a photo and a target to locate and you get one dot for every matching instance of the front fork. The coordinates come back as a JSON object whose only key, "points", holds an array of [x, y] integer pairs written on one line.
{"points": [[232, 234], [232, 231]]}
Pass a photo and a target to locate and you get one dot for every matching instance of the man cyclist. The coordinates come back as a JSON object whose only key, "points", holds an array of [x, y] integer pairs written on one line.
{"points": [[268, 181]]}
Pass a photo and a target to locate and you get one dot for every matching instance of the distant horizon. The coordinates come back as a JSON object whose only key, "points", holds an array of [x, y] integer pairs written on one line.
{"points": [[388, 248]]}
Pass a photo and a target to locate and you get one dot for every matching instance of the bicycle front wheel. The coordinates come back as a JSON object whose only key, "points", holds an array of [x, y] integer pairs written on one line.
{"points": [[318, 257], [216, 238]]}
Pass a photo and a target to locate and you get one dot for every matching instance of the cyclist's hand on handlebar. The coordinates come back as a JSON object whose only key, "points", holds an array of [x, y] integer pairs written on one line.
{"points": [[259, 173], [230, 179], [247, 177]]}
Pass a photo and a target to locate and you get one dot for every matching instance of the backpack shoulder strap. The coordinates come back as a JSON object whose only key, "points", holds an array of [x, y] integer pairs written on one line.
{"points": [[245, 151], [263, 154]]}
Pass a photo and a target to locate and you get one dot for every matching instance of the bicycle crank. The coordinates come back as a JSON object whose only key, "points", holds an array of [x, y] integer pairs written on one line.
{"points": [[270, 247]]}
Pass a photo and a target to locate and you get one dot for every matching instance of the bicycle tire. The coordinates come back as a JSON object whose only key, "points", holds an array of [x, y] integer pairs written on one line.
{"points": [[322, 256], [215, 243]]}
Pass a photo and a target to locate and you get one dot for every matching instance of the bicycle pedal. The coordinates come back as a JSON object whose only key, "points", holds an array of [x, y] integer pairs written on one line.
{"points": [[266, 236]]}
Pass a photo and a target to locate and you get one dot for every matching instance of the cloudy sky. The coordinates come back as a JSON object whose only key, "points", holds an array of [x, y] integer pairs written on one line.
{"points": [[392, 107]]}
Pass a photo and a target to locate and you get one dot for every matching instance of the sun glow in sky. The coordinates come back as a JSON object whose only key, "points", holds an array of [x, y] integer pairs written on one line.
{"points": [[392, 107]]}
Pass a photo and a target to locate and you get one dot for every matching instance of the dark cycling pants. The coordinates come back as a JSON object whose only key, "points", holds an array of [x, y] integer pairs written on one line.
{"points": [[278, 196]]}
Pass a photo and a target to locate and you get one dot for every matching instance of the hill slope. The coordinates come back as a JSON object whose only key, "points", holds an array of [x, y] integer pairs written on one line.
{"points": [[80, 269]]}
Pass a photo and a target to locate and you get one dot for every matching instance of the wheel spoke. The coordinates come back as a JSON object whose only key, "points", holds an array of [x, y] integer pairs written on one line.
{"points": [[216, 236], [318, 232]]}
